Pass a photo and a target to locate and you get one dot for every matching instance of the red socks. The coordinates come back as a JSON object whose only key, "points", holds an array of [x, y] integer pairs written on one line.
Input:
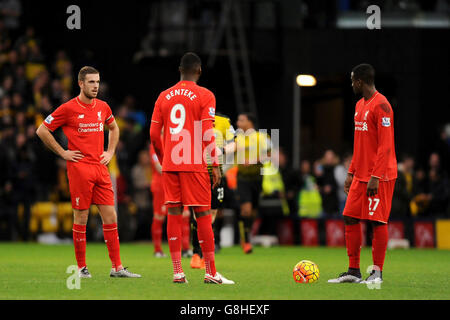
{"points": [[174, 225], [353, 241], [206, 240], [205, 237], [111, 236], [379, 245], [186, 232], [157, 234], [79, 242]]}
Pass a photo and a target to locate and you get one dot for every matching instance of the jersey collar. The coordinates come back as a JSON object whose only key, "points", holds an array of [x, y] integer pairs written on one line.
{"points": [[370, 99], [187, 82], [85, 105]]}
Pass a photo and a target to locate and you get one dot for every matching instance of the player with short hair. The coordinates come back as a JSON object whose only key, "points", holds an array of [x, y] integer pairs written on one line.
{"points": [[82, 120], [371, 176], [186, 111], [252, 151]]}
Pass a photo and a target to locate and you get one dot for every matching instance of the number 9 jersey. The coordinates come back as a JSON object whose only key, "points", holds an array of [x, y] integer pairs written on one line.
{"points": [[182, 110]]}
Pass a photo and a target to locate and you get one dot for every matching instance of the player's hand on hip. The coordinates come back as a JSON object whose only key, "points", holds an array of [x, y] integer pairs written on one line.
{"points": [[72, 155], [216, 175], [372, 186], [348, 183], [106, 157]]}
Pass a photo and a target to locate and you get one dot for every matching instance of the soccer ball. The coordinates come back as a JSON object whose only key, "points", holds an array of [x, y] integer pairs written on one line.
{"points": [[306, 272]]}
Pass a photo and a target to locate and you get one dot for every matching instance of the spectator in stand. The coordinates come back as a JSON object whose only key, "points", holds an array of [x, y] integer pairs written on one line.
{"points": [[291, 181], [133, 141], [8, 216], [403, 190], [9, 63], [438, 193], [407, 168], [23, 182], [21, 85], [18, 104], [324, 172], [6, 87], [141, 176], [433, 190], [309, 199], [5, 110], [139, 117], [340, 174], [434, 161], [442, 148]]}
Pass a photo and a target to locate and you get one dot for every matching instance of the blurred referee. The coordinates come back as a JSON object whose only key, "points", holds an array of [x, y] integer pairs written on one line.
{"points": [[252, 149]]}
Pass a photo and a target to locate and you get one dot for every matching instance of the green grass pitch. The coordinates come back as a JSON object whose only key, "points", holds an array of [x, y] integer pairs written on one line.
{"points": [[33, 271]]}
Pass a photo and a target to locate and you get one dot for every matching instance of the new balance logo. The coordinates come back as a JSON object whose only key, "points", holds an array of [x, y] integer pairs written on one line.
{"points": [[81, 116], [173, 238]]}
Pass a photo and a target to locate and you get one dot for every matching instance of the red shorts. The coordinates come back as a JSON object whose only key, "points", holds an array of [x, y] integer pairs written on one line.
{"points": [[376, 208], [192, 189], [158, 199], [89, 184]]}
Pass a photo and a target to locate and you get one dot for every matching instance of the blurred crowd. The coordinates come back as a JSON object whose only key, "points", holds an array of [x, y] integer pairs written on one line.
{"points": [[421, 191], [32, 84]]}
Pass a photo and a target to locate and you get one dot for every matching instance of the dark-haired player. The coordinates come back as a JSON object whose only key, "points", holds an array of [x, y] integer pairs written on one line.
{"points": [[252, 147], [186, 111], [82, 120], [371, 177]]}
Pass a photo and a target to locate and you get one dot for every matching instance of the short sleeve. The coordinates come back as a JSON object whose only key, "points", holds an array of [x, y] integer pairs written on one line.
{"points": [[208, 107], [230, 134], [109, 115], [57, 119]]}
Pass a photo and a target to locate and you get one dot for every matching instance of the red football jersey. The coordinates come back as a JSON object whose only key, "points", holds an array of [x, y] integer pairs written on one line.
{"points": [[374, 148], [185, 110], [83, 126]]}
